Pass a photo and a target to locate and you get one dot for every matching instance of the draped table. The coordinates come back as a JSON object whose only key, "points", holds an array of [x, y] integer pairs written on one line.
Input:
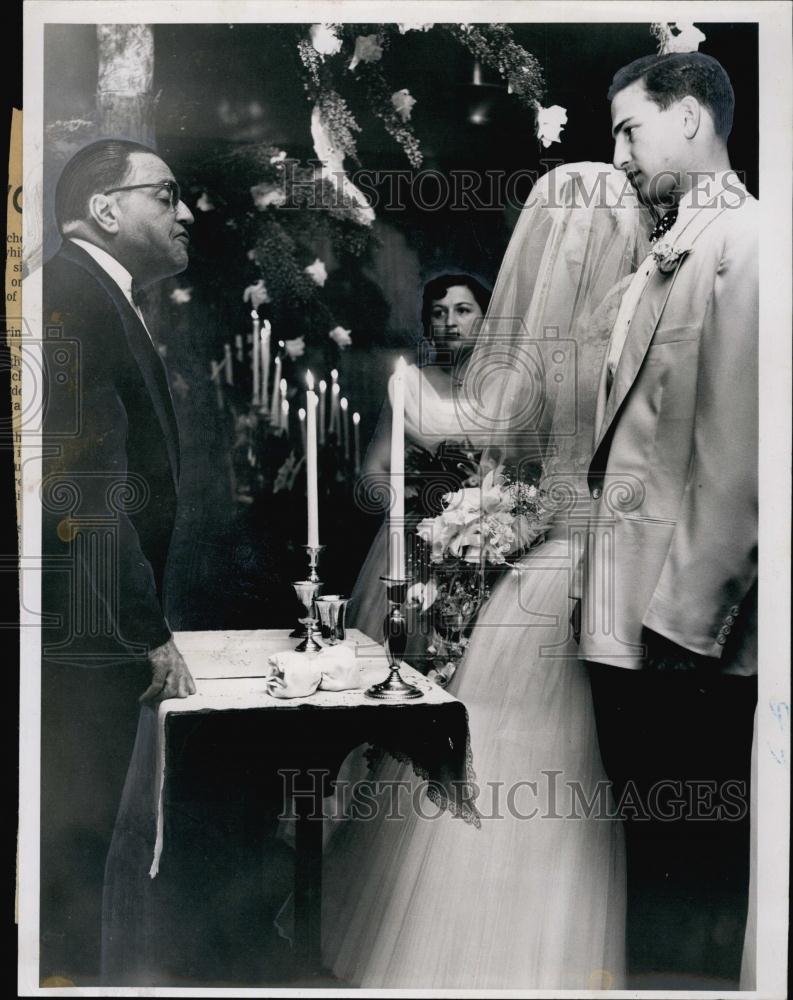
{"points": [[232, 721]]}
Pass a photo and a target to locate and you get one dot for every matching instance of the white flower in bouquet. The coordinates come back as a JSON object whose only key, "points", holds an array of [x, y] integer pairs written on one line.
{"points": [[317, 272], [296, 347], [265, 195], [367, 49], [406, 26], [181, 296], [341, 337], [204, 204], [403, 103], [422, 594], [325, 40], [256, 294], [550, 122]]}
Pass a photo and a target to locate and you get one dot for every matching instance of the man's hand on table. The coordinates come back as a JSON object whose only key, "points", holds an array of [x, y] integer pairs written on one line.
{"points": [[170, 675]]}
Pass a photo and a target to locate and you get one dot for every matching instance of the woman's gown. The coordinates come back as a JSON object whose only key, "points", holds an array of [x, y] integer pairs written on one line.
{"points": [[520, 902]]}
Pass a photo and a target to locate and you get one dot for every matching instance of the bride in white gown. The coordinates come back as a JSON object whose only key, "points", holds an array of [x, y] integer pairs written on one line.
{"points": [[535, 897]]}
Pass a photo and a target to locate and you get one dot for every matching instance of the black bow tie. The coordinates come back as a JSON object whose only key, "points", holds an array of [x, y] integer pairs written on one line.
{"points": [[138, 295], [663, 226]]}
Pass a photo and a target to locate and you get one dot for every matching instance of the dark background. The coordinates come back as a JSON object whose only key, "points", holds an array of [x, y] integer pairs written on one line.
{"points": [[222, 86]]}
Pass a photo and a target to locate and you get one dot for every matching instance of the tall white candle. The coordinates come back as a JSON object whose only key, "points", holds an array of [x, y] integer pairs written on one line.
{"points": [[301, 416], [396, 526], [345, 423], [255, 359], [334, 404], [238, 347], [323, 389], [312, 491], [229, 364], [285, 415], [356, 422], [265, 354], [275, 407]]}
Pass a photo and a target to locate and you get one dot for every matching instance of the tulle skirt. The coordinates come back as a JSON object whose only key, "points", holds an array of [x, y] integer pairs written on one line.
{"points": [[535, 897]]}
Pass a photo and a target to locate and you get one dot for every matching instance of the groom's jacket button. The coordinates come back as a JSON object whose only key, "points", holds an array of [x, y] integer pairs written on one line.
{"points": [[729, 620], [596, 493], [721, 639], [734, 609]]}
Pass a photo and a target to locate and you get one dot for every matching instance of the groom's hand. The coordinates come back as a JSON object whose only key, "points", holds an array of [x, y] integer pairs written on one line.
{"points": [[170, 675]]}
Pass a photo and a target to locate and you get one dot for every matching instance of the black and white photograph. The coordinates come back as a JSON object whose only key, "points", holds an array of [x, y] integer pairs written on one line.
{"points": [[403, 471]]}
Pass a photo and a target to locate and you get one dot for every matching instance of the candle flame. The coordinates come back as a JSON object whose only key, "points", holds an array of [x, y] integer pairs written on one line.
{"points": [[281, 343], [254, 314], [334, 374], [356, 418], [323, 385], [301, 414], [343, 403], [310, 381]]}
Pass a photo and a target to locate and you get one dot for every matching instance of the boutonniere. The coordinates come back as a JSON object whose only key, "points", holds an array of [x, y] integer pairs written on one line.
{"points": [[667, 256]]}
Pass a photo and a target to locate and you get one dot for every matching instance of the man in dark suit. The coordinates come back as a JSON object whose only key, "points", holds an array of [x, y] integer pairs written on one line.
{"points": [[109, 496]]}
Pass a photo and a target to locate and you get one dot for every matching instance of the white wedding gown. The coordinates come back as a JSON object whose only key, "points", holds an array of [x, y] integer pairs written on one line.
{"points": [[521, 902]]}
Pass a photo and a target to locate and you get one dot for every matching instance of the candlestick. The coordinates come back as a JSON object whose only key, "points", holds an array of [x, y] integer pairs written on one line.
{"points": [[307, 591], [323, 387], [345, 423], [265, 355], [356, 422], [301, 416], [395, 634], [275, 408], [229, 364], [256, 358], [312, 490], [285, 416], [396, 520]]}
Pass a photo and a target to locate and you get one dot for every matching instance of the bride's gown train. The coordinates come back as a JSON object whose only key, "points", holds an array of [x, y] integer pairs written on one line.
{"points": [[536, 896]]}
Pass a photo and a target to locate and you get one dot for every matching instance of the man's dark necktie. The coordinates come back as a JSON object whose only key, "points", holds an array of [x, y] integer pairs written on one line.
{"points": [[138, 296], [663, 225]]}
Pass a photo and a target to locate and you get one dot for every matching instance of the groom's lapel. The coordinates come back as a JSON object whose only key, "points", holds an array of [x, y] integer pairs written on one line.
{"points": [[646, 318]]}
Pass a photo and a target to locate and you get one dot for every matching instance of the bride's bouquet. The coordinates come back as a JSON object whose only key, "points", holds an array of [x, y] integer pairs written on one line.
{"points": [[480, 531]]}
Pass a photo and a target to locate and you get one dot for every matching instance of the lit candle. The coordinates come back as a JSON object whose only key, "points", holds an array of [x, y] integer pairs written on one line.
{"points": [[282, 387], [228, 363], [356, 428], [334, 403], [323, 388], [285, 415], [345, 422], [238, 346], [255, 358], [334, 427], [265, 354], [275, 409], [301, 416], [312, 492], [396, 525]]}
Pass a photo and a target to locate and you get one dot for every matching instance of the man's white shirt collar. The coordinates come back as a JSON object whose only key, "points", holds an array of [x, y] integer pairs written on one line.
{"points": [[114, 269]]}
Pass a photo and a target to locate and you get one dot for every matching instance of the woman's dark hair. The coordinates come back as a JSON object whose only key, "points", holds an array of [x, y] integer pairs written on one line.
{"points": [[437, 288], [672, 77], [102, 165]]}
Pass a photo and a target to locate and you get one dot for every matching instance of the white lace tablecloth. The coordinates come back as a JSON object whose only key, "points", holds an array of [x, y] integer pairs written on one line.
{"points": [[230, 670]]}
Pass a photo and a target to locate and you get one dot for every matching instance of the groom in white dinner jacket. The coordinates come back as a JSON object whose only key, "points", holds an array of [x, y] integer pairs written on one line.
{"points": [[668, 582]]}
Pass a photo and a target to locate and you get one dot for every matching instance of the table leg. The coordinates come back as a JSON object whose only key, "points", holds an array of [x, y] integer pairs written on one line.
{"points": [[308, 884]]}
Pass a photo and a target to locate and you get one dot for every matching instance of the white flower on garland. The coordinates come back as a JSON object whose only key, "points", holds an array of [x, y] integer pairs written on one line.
{"points": [[256, 294], [331, 158], [550, 122], [367, 49], [181, 296], [317, 272], [403, 103], [325, 40], [265, 195], [341, 336], [278, 158], [295, 348], [677, 36], [406, 26], [204, 204]]}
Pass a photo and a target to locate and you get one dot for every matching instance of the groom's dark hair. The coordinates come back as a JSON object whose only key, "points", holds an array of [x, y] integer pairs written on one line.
{"points": [[672, 77]]}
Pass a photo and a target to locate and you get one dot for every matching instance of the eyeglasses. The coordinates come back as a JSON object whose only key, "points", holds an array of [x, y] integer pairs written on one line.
{"points": [[171, 188]]}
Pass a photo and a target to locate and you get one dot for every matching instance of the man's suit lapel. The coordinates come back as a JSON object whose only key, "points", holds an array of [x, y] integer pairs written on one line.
{"points": [[644, 324], [145, 354]]}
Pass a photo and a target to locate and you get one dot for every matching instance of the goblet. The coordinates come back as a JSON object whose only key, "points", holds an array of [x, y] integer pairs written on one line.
{"points": [[395, 634], [331, 609], [306, 591], [313, 577]]}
